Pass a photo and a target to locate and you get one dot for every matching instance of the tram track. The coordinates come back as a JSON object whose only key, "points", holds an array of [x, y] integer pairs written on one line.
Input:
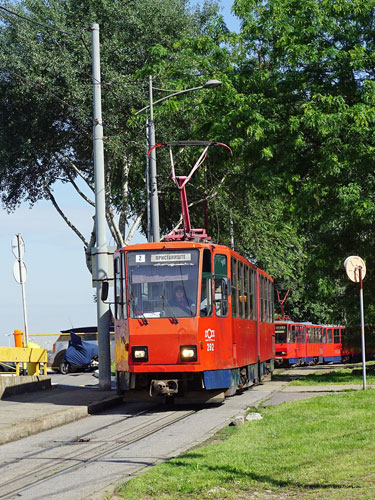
{"points": [[87, 448]]}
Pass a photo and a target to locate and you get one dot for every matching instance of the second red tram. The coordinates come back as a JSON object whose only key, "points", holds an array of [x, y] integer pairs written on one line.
{"points": [[298, 343], [190, 316]]}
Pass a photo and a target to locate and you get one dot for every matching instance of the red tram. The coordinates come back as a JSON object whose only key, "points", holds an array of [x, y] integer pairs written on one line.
{"points": [[217, 336], [299, 343], [191, 317]]}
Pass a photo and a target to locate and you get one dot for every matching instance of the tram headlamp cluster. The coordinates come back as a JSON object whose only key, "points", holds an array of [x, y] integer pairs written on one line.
{"points": [[140, 353], [188, 353]]}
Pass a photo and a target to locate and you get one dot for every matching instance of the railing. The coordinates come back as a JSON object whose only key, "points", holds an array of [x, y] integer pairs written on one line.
{"points": [[30, 355]]}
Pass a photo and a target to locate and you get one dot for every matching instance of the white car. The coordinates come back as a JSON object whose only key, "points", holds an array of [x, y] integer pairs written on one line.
{"points": [[87, 333]]}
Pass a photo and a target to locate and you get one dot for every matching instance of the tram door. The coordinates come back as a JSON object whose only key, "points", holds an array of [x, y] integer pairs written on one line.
{"points": [[121, 321], [217, 323]]}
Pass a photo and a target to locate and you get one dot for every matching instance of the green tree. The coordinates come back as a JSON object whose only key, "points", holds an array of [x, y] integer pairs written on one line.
{"points": [[46, 106], [303, 118]]}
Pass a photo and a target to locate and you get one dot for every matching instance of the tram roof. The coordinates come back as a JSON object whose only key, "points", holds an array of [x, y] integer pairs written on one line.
{"points": [[189, 244]]}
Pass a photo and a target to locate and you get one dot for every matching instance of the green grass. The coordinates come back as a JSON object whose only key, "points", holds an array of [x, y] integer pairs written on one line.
{"points": [[321, 448], [343, 376]]}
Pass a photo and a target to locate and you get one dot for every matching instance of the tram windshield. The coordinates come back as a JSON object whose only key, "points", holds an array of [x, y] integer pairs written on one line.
{"points": [[280, 334], [163, 283]]}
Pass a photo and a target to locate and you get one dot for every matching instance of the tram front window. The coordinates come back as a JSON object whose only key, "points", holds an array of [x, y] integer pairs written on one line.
{"points": [[280, 334], [163, 284]]}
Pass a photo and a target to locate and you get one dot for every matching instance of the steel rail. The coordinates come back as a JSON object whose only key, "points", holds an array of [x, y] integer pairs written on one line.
{"points": [[59, 466]]}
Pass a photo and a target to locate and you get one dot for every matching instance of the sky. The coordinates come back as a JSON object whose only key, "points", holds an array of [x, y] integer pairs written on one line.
{"points": [[58, 289]]}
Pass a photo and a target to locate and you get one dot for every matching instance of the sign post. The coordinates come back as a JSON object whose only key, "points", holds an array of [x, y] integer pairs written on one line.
{"points": [[19, 273], [356, 271]]}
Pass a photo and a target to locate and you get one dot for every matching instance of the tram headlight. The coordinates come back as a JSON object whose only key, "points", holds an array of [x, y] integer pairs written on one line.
{"points": [[140, 353], [188, 353]]}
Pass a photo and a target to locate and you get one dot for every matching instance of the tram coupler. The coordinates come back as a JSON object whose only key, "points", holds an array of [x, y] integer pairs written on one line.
{"points": [[163, 387]]}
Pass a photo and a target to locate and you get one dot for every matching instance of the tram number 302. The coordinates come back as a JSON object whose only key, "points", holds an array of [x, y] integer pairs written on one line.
{"points": [[210, 346]]}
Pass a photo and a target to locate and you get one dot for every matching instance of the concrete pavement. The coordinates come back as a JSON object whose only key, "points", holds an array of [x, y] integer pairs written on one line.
{"points": [[25, 414]]}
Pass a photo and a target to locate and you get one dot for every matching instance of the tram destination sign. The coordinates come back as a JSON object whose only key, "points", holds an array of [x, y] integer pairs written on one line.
{"points": [[171, 257], [280, 328]]}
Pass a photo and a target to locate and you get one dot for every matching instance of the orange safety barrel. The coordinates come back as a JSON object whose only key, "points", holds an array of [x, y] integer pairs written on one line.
{"points": [[18, 338]]}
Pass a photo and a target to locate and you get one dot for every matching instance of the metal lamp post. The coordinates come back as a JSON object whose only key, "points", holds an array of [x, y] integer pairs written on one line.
{"points": [[151, 140]]}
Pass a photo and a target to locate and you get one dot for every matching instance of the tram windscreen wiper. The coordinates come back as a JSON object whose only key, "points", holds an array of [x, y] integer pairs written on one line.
{"points": [[165, 305], [137, 313]]}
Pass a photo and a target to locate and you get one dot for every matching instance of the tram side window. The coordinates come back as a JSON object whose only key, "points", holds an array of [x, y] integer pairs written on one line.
{"points": [[221, 291], [266, 299], [336, 335], [329, 336], [241, 290], [251, 293], [206, 288], [317, 335], [264, 315], [246, 291], [270, 301], [261, 297], [118, 288], [234, 287], [123, 285], [300, 334], [309, 335], [292, 334], [253, 287], [323, 335], [312, 335]]}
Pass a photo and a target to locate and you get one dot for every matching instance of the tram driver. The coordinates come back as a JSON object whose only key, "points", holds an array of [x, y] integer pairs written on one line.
{"points": [[181, 300]]}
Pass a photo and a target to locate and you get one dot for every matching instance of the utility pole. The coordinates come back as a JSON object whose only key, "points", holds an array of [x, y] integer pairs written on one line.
{"points": [[149, 236], [153, 178], [101, 255]]}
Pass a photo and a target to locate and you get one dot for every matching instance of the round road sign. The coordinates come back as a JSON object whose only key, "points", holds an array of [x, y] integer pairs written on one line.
{"points": [[19, 272], [352, 265]]}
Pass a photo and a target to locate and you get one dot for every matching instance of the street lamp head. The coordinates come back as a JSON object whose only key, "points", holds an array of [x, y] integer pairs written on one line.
{"points": [[210, 84]]}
